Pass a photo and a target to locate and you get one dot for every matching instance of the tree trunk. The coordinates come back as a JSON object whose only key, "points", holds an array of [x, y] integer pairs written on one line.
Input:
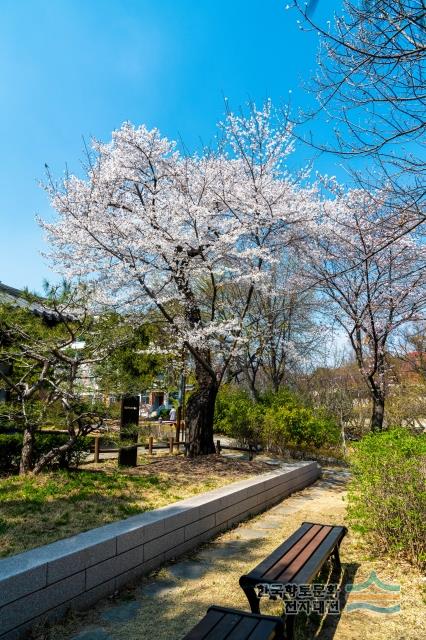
{"points": [[342, 433], [52, 454], [254, 395], [26, 462], [378, 412], [199, 418]]}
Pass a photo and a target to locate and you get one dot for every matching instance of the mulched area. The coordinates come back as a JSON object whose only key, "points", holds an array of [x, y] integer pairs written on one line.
{"points": [[193, 469]]}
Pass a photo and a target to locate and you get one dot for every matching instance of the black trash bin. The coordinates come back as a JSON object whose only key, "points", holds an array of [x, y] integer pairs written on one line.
{"points": [[128, 456]]}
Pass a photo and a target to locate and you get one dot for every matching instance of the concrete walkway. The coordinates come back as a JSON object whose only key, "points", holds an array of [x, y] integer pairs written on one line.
{"points": [[167, 604]]}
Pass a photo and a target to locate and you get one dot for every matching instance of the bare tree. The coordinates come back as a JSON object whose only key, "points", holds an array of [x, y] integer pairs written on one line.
{"points": [[411, 349], [338, 387], [371, 85], [283, 336], [372, 295]]}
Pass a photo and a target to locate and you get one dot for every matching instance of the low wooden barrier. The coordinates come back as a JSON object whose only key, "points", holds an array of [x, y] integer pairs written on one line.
{"points": [[251, 449], [171, 445]]}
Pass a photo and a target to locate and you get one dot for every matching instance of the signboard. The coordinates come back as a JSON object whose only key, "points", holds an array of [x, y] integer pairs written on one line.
{"points": [[129, 415]]}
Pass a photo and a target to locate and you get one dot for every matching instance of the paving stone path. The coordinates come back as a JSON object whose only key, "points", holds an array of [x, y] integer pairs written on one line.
{"points": [[128, 616]]}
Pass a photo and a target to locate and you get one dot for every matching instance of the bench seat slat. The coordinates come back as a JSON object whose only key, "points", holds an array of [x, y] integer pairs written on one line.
{"points": [[265, 630], [294, 567], [245, 628], [273, 558], [222, 623], [275, 570], [279, 558], [224, 628], [315, 562], [205, 625]]}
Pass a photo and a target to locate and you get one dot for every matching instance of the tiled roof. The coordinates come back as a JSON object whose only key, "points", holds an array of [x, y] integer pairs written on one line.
{"points": [[10, 295]]}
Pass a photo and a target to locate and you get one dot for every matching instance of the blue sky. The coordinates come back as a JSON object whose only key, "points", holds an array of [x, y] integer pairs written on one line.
{"points": [[71, 69]]}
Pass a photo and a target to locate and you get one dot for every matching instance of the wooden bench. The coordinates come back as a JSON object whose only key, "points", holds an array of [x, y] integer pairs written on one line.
{"points": [[220, 623], [295, 562]]}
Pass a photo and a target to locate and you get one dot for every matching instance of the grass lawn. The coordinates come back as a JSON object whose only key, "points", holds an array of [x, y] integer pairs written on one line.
{"points": [[36, 510]]}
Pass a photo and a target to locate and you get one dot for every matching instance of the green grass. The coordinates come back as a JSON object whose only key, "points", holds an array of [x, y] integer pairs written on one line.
{"points": [[36, 510]]}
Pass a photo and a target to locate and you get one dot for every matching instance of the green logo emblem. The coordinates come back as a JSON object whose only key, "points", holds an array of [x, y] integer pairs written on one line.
{"points": [[374, 595]]}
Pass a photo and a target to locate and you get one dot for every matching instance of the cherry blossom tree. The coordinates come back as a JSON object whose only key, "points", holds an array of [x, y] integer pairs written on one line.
{"points": [[156, 229], [373, 292]]}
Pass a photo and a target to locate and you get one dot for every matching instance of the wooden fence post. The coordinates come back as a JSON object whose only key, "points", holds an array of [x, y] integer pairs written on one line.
{"points": [[97, 441], [171, 444], [218, 446], [150, 441]]}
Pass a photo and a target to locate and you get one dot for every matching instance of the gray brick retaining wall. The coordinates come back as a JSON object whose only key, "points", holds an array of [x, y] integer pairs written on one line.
{"points": [[42, 584]]}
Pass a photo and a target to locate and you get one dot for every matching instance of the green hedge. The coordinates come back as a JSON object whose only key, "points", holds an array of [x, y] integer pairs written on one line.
{"points": [[278, 421], [11, 445], [387, 496], [299, 427], [237, 416]]}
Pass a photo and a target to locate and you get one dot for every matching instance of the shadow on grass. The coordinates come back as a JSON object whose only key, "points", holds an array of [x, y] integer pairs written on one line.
{"points": [[324, 627], [42, 509]]}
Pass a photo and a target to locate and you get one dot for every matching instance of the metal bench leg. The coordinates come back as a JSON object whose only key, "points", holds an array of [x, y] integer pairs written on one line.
{"points": [[336, 558], [252, 598], [289, 627]]}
